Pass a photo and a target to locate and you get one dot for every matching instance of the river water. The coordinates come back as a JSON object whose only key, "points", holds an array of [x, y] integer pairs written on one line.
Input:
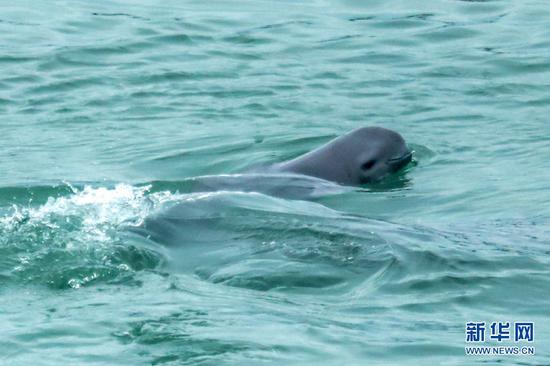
{"points": [[115, 114]]}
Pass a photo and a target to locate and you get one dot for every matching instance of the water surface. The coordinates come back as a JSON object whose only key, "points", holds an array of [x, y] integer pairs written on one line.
{"points": [[118, 112]]}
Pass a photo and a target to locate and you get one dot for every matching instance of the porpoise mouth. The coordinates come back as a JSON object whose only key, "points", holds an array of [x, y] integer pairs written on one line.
{"points": [[400, 161]]}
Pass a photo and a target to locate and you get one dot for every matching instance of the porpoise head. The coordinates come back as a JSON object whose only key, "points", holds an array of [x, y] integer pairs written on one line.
{"points": [[364, 155], [378, 153]]}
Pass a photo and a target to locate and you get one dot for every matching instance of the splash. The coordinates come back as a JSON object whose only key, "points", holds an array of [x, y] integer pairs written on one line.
{"points": [[74, 240]]}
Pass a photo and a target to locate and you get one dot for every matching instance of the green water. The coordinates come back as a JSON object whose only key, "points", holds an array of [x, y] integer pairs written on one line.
{"points": [[112, 113]]}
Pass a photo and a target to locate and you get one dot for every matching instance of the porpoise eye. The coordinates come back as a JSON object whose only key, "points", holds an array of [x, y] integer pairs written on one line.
{"points": [[369, 164]]}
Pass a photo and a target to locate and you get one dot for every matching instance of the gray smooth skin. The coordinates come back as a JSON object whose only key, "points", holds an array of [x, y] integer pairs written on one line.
{"points": [[361, 156]]}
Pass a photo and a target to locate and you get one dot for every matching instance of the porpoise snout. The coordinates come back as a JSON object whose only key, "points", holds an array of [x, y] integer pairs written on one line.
{"points": [[401, 161]]}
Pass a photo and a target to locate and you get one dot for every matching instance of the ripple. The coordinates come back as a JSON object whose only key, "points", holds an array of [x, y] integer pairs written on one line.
{"points": [[119, 15]]}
